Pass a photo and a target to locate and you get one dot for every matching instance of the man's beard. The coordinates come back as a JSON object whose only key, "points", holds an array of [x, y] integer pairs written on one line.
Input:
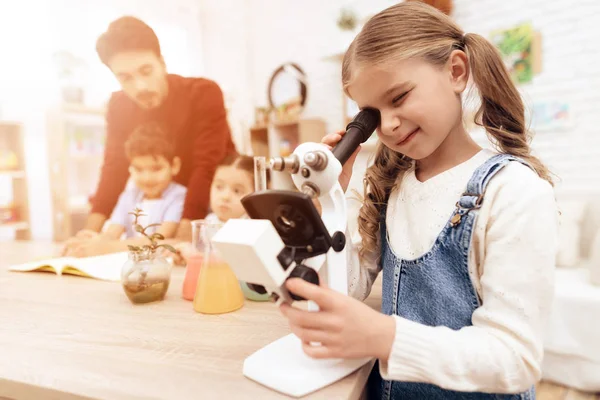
{"points": [[147, 99]]}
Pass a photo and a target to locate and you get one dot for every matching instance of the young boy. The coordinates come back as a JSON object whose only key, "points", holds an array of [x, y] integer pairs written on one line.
{"points": [[152, 166]]}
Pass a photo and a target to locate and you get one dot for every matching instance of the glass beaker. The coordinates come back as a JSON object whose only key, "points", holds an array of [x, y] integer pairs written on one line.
{"points": [[260, 174], [194, 260], [218, 290]]}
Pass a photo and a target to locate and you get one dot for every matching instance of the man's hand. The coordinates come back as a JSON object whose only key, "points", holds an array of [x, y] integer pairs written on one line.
{"points": [[344, 327], [93, 226], [86, 234], [80, 237], [95, 247], [95, 222]]}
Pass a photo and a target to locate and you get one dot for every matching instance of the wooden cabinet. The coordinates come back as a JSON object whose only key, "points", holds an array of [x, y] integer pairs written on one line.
{"points": [[14, 195], [76, 148]]}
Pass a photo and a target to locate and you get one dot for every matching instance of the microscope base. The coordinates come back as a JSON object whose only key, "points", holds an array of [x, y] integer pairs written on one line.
{"points": [[283, 366]]}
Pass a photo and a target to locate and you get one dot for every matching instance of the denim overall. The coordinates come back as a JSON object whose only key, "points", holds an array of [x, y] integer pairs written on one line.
{"points": [[435, 289]]}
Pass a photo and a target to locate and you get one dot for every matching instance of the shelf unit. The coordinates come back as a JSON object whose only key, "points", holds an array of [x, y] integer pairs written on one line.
{"points": [[76, 154], [14, 201]]}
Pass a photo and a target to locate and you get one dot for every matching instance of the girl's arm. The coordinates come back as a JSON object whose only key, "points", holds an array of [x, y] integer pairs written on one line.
{"points": [[502, 351]]}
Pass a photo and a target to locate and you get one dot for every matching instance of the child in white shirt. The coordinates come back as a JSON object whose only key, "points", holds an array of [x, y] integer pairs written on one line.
{"points": [[233, 179]]}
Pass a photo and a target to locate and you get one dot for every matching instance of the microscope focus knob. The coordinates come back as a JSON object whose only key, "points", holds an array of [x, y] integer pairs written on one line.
{"points": [[306, 273], [338, 241], [317, 160]]}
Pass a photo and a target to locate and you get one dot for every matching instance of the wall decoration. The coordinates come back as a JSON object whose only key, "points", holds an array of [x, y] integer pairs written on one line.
{"points": [[516, 46], [347, 20], [550, 115]]}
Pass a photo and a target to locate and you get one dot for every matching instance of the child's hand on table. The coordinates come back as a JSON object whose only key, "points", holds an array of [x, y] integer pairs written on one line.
{"points": [[344, 326]]}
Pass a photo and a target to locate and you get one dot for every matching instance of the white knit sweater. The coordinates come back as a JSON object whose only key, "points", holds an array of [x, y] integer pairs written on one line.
{"points": [[511, 265]]}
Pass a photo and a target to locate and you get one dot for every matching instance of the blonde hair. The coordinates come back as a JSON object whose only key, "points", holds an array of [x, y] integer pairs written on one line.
{"points": [[416, 30]]}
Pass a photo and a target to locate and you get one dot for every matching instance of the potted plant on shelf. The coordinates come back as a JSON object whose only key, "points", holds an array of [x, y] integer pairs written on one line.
{"points": [[347, 22], [146, 275]]}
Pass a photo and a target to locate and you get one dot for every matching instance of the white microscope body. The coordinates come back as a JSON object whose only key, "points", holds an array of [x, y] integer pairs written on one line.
{"points": [[286, 238]]}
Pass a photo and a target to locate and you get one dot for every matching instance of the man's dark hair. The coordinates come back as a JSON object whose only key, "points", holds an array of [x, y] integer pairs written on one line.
{"points": [[149, 140], [126, 34]]}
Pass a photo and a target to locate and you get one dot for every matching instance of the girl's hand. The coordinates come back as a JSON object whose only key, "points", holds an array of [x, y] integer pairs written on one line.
{"points": [[331, 140], [344, 327]]}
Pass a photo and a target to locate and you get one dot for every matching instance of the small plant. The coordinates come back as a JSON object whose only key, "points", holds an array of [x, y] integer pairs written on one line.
{"points": [[147, 248], [347, 20]]}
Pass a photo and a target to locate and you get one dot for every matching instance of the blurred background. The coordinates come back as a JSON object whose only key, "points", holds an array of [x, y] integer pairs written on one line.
{"points": [[53, 87], [278, 63]]}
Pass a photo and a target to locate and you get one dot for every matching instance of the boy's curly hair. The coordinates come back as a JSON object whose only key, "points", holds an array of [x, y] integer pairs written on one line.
{"points": [[126, 34], [149, 140]]}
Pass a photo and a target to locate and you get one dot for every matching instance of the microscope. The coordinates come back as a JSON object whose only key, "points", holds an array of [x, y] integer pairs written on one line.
{"points": [[284, 238]]}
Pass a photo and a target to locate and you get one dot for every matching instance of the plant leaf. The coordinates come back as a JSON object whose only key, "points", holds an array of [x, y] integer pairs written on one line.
{"points": [[134, 248], [157, 236], [138, 228], [151, 225], [137, 212], [168, 247]]}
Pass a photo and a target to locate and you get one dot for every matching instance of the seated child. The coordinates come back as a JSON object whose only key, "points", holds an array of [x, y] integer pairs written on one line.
{"points": [[233, 179], [152, 165]]}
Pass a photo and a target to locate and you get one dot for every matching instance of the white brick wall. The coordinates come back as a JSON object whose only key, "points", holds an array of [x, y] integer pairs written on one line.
{"points": [[304, 32], [571, 55]]}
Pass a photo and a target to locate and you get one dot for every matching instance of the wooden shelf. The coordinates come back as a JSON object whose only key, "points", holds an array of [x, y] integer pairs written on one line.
{"points": [[18, 174], [284, 124], [82, 109], [11, 124], [12, 138], [258, 128], [337, 57], [17, 226], [74, 170]]}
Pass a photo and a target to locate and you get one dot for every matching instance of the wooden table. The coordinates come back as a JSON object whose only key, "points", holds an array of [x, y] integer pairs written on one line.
{"points": [[77, 338]]}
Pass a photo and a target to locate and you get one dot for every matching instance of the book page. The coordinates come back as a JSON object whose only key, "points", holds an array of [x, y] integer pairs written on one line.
{"points": [[107, 267], [54, 265]]}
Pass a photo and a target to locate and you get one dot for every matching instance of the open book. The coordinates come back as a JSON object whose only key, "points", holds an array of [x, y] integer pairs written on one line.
{"points": [[107, 267]]}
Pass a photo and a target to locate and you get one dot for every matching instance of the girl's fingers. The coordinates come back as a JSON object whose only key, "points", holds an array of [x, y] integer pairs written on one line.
{"points": [[309, 319], [332, 139], [317, 351], [311, 335]]}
